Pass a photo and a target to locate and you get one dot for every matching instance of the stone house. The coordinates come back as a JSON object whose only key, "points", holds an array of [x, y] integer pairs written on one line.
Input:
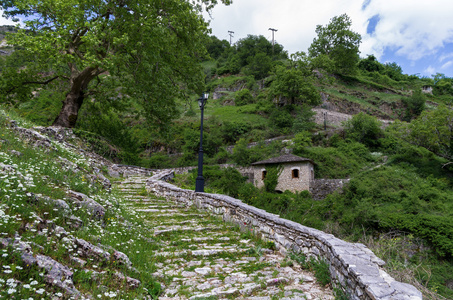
{"points": [[297, 174]]}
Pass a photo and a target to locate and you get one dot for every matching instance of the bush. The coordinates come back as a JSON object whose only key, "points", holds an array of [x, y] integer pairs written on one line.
{"points": [[241, 154], [272, 175], [211, 142], [280, 119], [228, 180], [259, 66], [158, 161], [304, 120], [414, 105], [243, 97], [364, 129], [43, 108], [221, 157], [337, 162], [110, 125], [232, 131], [300, 141]]}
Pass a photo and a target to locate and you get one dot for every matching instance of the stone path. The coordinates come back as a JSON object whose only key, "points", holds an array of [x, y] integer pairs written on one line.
{"points": [[201, 257]]}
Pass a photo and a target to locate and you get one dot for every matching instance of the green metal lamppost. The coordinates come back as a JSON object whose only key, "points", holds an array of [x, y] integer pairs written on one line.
{"points": [[199, 183]]}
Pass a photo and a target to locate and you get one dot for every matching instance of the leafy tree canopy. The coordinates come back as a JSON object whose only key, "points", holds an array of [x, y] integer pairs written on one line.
{"points": [[291, 83], [339, 43], [443, 85], [433, 130], [253, 44], [108, 50], [370, 64], [216, 47], [254, 54]]}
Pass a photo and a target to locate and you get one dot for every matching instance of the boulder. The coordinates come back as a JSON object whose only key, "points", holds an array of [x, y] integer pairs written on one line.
{"points": [[91, 251], [97, 211]]}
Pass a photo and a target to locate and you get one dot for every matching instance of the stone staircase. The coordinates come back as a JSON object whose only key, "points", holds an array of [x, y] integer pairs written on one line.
{"points": [[202, 257]]}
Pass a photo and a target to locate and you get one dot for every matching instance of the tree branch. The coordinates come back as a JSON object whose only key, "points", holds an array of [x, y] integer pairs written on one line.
{"points": [[33, 82], [448, 163]]}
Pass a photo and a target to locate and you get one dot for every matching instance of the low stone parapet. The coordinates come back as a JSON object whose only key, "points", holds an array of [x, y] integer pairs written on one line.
{"points": [[353, 266]]}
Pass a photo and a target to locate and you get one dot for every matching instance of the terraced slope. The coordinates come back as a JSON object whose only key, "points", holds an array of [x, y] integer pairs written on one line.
{"points": [[201, 257]]}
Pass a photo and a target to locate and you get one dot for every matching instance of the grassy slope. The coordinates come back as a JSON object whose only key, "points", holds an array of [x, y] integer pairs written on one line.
{"points": [[43, 173]]}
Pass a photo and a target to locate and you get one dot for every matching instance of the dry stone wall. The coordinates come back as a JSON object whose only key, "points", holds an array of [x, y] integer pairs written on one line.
{"points": [[320, 188], [126, 170], [352, 265]]}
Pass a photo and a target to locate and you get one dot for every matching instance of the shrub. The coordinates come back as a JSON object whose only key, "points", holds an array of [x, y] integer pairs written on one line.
{"points": [[304, 120], [414, 105], [158, 161], [301, 140], [243, 97], [259, 66], [232, 131], [228, 180], [241, 154], [337, 162], [364, 129], [280, 119], [272, 175]]}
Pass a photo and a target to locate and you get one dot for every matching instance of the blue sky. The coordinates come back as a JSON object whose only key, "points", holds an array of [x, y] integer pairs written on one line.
{"points": [[416, 34]]}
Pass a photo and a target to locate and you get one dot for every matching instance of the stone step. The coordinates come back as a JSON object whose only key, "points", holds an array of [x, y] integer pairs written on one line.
{"points": [[188, 215], [200, 252], [185, 229]]}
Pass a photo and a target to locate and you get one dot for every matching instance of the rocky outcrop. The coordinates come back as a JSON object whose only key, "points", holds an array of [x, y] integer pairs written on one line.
{"points": [[89, 250], [81, 200], [55, 273], [58, 204]]}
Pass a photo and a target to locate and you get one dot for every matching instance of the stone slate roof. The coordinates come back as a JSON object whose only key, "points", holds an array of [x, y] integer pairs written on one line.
{"points": [[287, 158]]}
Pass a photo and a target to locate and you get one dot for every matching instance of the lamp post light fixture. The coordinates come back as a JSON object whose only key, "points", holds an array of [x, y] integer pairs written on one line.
{"points": [[199, 183]]}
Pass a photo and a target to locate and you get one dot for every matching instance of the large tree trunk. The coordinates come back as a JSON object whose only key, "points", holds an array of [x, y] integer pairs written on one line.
{"points": [[70, 110], [74, 99]]}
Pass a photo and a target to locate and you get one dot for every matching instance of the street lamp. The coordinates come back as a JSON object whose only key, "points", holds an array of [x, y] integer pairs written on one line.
{"points": [[199, 184]]}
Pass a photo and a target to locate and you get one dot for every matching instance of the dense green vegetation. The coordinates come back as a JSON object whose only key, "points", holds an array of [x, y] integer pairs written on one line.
{"points": [[399, 200]]}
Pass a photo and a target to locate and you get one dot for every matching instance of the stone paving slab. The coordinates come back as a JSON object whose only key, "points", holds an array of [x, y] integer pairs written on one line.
{"points": [[202, 257]]}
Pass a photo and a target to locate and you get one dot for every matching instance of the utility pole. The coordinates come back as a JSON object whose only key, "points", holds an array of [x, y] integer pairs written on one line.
{"points": [[273, 41], [231, 35]]}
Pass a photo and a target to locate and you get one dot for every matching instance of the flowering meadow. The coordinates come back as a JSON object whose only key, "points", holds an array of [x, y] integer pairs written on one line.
{"points": [[43, 231]]}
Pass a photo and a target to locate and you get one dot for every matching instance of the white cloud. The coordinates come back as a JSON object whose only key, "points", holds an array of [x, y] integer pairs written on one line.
{"points": [[295, 20], [4, 21], [412, 28], [447, 65], [429, 70], [416, 31], [445, 56]]}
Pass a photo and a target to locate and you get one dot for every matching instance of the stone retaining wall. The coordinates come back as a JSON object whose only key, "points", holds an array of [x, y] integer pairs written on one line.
{"points": [[320, 188], [126, 170], [353, 266], [245, 171]]}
